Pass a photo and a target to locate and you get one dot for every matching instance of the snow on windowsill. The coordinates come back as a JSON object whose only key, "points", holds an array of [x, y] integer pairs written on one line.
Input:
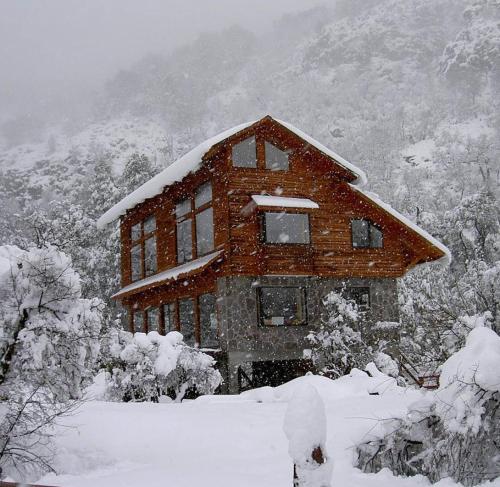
{"points": [[446, 259], [170, 274], [281, 201]]}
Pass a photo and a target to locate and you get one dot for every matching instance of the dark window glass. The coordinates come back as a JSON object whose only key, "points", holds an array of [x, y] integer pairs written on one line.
{"points": [[186, 318], [183, 208], [153, 319], [360, 295], [150, 256], [276, 159], [286, 228], [204, 231], [282, 306], [203, 195], [138, 321], [150, 224], [169, 317], [208, 321], [245, 154], [184, 241], [135, 232], [365, 234], [136, 262]]}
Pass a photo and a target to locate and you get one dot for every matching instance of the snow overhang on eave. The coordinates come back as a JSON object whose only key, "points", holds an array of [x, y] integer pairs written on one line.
{"points": [[182, 271], [283, 202]]}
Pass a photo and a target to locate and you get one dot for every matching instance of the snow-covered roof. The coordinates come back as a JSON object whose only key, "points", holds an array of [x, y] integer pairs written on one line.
{"points": [[171, 274], [192, 161], [389, 209], [281, 201]]}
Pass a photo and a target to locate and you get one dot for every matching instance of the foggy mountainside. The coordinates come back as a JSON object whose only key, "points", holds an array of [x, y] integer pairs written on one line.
{"points": [[408, 91], [405, 90]]}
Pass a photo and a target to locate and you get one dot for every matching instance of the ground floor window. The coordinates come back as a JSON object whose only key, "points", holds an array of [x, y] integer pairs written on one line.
{"points": [[169, 317], [360, 295], [282, 306], [208, 320], [153, 315], [186, 320], [195, 318]]}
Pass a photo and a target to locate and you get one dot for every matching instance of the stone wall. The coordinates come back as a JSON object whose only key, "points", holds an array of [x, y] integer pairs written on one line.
{"points": [[243, 340]]}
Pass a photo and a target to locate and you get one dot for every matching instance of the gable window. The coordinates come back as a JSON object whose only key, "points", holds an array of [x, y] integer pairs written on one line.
{"points": [[360, 295], [282, 306], [276, 159], [208, 320], [244, 154], [143, 260], [365, 234], [285, 228], [195, 223]]}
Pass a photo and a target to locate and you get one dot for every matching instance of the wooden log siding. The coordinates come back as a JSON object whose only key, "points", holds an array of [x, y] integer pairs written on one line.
{"points": [[237, 230]]}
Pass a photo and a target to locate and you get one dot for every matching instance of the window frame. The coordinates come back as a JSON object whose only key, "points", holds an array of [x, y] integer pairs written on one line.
{"points": [[141, 243], [260, 316], [263, 232], [370, 225], [191, 215], [260, 150]]}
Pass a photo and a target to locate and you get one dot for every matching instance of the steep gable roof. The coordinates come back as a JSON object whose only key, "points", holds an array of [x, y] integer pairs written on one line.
{"points": [[194, 159]]}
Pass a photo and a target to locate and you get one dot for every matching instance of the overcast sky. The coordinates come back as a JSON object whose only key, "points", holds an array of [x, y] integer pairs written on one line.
{"points": [[48, 46]]}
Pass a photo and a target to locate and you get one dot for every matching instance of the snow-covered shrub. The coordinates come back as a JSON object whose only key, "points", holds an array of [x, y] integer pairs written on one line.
{"points": [[338, 347], [147, 367], [455, 431], [48, 346], [305, 428]]}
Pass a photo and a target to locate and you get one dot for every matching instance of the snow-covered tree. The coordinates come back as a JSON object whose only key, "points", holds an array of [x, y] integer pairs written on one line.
{"points": [[146, 367], [48, 347], [138, 169], [453, 432], [337, 346]]}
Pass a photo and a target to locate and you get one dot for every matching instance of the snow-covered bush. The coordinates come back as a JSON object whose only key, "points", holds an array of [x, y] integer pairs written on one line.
{"points": [[146, 367], [305, 428], [338, 347], [48, 346], [453, 432]]}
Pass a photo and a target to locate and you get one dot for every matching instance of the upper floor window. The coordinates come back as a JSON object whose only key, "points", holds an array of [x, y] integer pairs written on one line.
{"points": [[194, 217], [143, 258], [285, 228], [245, 153], [282, 306], [366, 235], [276, 159]]}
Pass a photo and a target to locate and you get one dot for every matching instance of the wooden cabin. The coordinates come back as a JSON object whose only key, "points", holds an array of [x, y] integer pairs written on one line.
{"points": [[237, 243]]}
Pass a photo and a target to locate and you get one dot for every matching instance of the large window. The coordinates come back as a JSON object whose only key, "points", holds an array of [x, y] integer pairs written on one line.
{"points": [[285, 228], [282, 306], [195, 222], [143, 261], [366, 235], [208, 320], [245, 153], [186, 318], [276, 159], [138, 317]]}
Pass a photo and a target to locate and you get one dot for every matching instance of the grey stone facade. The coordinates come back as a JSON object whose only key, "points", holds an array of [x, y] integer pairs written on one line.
{"points": [[243, 340]]}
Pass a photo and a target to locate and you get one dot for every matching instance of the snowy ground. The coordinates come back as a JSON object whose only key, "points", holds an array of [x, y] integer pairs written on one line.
{"points": [[224, 440]]}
